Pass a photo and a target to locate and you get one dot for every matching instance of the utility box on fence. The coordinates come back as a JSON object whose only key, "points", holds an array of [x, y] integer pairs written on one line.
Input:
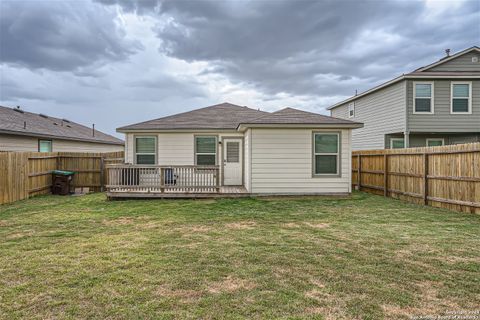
{"points": [[62, 182]]}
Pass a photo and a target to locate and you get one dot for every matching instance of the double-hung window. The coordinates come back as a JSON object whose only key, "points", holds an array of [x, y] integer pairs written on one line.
{"points": [[423, 97], [44, 145], [326, 153], [146, 150], [205, 150], [351, 110], [397, 143], [461, 93]]}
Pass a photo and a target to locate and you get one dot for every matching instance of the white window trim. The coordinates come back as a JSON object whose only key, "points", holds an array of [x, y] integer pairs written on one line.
{"points": [[432, 95], [315, 154], [435, 139], [396, 139], [208, 154], [469, 96], [351, 107], [45, 140], [135, 150]]}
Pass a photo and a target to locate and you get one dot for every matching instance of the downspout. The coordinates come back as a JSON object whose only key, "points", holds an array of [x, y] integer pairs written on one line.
{"points": [[407, 129]]}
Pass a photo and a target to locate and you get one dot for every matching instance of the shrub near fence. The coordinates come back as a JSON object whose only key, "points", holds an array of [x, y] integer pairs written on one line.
{"points": [[26, 174], [447, 176]]}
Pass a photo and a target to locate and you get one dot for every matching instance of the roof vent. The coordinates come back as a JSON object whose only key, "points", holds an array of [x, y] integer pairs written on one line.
{"points": [[447, 52], [55, 124], [69, 126], [66, 120], [43, 115], [18, 109]]}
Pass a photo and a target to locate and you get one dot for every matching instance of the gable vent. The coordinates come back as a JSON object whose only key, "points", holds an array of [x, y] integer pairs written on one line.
{"points": [[43, 115], [475, 59]]}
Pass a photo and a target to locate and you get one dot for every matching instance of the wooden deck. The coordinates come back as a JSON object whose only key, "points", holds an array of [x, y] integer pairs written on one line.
{"points": [[223, 192]]}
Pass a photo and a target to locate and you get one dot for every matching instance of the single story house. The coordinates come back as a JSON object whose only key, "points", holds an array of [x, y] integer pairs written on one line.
{"points": [[25, 131], [250, 151]]}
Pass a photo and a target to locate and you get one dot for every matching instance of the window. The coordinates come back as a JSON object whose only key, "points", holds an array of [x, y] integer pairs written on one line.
{"points": [[351, 110], [423, 97], [397, 143], [435, 142], [461, 93], [206, 150], [145, 150], [326, 153], [44, 145]]}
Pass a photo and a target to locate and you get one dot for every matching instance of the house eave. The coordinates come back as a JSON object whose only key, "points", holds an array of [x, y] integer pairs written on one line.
{"points": [[176, 130], [47, 136], [244, 126]]}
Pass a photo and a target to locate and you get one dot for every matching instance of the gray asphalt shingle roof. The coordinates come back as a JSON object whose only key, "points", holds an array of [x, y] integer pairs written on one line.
{"points": [[230, 116], [295, 116], [33, 124]]}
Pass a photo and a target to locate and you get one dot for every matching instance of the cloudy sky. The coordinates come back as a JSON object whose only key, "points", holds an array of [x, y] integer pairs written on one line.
{"points": [[114, 62]]}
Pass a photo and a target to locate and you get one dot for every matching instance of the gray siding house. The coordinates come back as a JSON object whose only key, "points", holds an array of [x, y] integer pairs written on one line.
{"points": [[438, 104]]}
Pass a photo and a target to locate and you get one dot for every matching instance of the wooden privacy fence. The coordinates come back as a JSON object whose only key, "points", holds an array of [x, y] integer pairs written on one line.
{"points": [[25, 174], [447, 176]]}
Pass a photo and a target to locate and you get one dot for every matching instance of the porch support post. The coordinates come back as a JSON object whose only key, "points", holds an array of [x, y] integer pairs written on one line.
{"points": [[406, 139]]}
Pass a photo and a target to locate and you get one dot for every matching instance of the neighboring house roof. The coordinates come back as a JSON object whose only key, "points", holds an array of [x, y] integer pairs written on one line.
{"points": [[230, 116], [419, 74], [20, 122]]}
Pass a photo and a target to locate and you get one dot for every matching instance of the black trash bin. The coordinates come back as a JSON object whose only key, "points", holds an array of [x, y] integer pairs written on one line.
{"points": [[62, 182]]}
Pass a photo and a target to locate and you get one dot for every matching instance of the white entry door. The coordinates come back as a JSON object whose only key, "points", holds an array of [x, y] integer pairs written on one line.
{"points": [[232, 162]]}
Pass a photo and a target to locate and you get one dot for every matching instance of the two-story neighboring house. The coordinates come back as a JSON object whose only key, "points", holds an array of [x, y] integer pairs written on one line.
{"points": [[438, 104]]}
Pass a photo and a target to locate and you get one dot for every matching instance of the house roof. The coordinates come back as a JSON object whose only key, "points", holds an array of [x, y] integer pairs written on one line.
{"points": [[219, 116], [295, 116], [420, 73], [20, 122], [230, 116]]}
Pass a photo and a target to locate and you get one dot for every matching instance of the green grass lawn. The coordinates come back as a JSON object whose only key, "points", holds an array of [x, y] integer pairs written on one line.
{"points": [[361, 258]]}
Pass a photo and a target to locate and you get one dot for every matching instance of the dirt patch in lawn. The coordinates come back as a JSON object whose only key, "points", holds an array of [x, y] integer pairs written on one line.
{"points": [[245, 225], [231, 284], [317, 225], [183, 294]]}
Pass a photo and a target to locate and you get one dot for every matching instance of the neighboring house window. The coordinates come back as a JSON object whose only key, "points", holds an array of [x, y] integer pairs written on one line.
{"points": [[397, 143], [326, 155], [44, 145], [461, 97], [206, 150], [351, 110], [423, 97], [435, 142], [145, 150]]}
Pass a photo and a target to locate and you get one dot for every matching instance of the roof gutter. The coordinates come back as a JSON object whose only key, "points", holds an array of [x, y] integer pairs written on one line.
{"points": [[244, 126], [40, 135]]}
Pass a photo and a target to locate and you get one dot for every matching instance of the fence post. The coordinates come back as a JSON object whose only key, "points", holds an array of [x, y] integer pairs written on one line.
{"points": [[425, 178], [162, 178], [359, 173], [102, 174], [385, 175]]}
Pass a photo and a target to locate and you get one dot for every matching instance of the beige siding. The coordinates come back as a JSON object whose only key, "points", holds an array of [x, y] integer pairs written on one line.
{"points": [[24, 143], [462, 63], [381, 112], [174, 148], [282, 163]]}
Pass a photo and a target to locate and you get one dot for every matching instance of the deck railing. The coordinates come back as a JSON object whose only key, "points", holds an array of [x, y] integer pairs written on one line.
{"points": [[147, 178]]}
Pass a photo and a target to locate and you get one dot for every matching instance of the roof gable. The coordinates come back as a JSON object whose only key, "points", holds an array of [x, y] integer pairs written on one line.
{"points": [[461, 61], [27, 123]]}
